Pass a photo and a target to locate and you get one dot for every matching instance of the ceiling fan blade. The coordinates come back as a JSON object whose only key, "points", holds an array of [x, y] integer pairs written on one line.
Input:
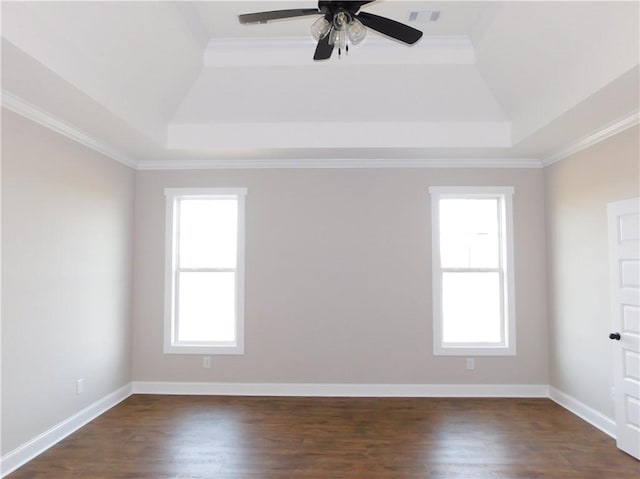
{"points": [[389, 27], [263, 17], [323, 50]]}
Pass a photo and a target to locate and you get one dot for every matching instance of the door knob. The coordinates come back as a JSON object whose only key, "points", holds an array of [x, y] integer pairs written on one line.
{"points": [[615, 336]]}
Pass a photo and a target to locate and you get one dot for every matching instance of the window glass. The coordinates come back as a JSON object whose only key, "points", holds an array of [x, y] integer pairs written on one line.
{"points": [[471, 308], [206, 307], [469, 233], [208, 233]]}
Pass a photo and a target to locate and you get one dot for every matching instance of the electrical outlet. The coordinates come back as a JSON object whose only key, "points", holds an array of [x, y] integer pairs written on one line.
{"points": [[471, 364], [80, 386], [613, 392], [206, 362]]}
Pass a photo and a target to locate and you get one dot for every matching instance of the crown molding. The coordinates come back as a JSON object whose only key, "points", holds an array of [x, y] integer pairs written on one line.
{"points": [[613, 129], [220, 164], [37, 115]]}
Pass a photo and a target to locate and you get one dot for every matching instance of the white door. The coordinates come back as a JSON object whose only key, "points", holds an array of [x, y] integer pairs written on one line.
{"points": [[624, 258]]}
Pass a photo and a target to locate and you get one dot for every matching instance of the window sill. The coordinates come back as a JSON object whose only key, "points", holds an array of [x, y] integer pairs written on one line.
{"points": [[473, 351], [207, 350]]}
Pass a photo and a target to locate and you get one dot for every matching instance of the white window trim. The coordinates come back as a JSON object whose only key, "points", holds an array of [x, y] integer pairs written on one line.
{"points": [[171, 346], [508, 347]]}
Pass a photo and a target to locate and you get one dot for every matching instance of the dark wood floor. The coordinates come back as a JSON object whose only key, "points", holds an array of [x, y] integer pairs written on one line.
{"points": [[316, 438]]}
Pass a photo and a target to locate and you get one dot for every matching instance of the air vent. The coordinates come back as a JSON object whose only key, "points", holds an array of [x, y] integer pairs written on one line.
{"points": [[424, 16]]}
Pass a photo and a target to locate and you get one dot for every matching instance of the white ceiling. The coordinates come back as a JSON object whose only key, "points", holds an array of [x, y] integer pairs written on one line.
{"points": [[184, 84]]}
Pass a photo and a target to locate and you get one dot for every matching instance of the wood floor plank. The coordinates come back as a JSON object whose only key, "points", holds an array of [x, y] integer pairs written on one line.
{"points": [[217, 437]]}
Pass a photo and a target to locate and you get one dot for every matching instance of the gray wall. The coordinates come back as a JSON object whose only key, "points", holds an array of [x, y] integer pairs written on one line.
{"points": [[66, 277], [338, 278], [577, 192]]}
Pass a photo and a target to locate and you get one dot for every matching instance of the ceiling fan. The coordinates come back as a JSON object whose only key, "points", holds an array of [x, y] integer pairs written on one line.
{"points": [[340, 21]]}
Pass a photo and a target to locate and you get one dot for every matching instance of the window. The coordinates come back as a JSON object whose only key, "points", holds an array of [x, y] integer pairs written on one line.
{"points": [[473, 283], [204, 276]]}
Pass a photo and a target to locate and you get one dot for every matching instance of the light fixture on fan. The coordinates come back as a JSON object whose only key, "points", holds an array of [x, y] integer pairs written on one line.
{"points": [[343, 27]]}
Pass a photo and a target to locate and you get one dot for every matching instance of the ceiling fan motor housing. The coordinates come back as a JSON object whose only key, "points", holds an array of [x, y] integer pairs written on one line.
{"points": [[328, 6]]}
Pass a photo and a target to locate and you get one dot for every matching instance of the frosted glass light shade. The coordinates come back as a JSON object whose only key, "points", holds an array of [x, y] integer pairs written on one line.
{"points": [[320, 28], [356, 31]]}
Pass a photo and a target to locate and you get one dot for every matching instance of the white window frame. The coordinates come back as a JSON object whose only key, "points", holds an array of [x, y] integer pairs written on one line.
{"points": [[171, 344], [507, 345]]}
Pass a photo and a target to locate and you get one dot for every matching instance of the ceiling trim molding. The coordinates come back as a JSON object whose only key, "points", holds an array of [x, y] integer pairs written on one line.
{"points": [[235, 164], [431, 41], [617, 127], [46, 119], [375, 49], [291, 135], [37, 115]]}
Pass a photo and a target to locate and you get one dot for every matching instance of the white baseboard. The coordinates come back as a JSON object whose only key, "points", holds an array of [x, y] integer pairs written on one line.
{"points": [[27, 451], [593, 417], [342, 390]]}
